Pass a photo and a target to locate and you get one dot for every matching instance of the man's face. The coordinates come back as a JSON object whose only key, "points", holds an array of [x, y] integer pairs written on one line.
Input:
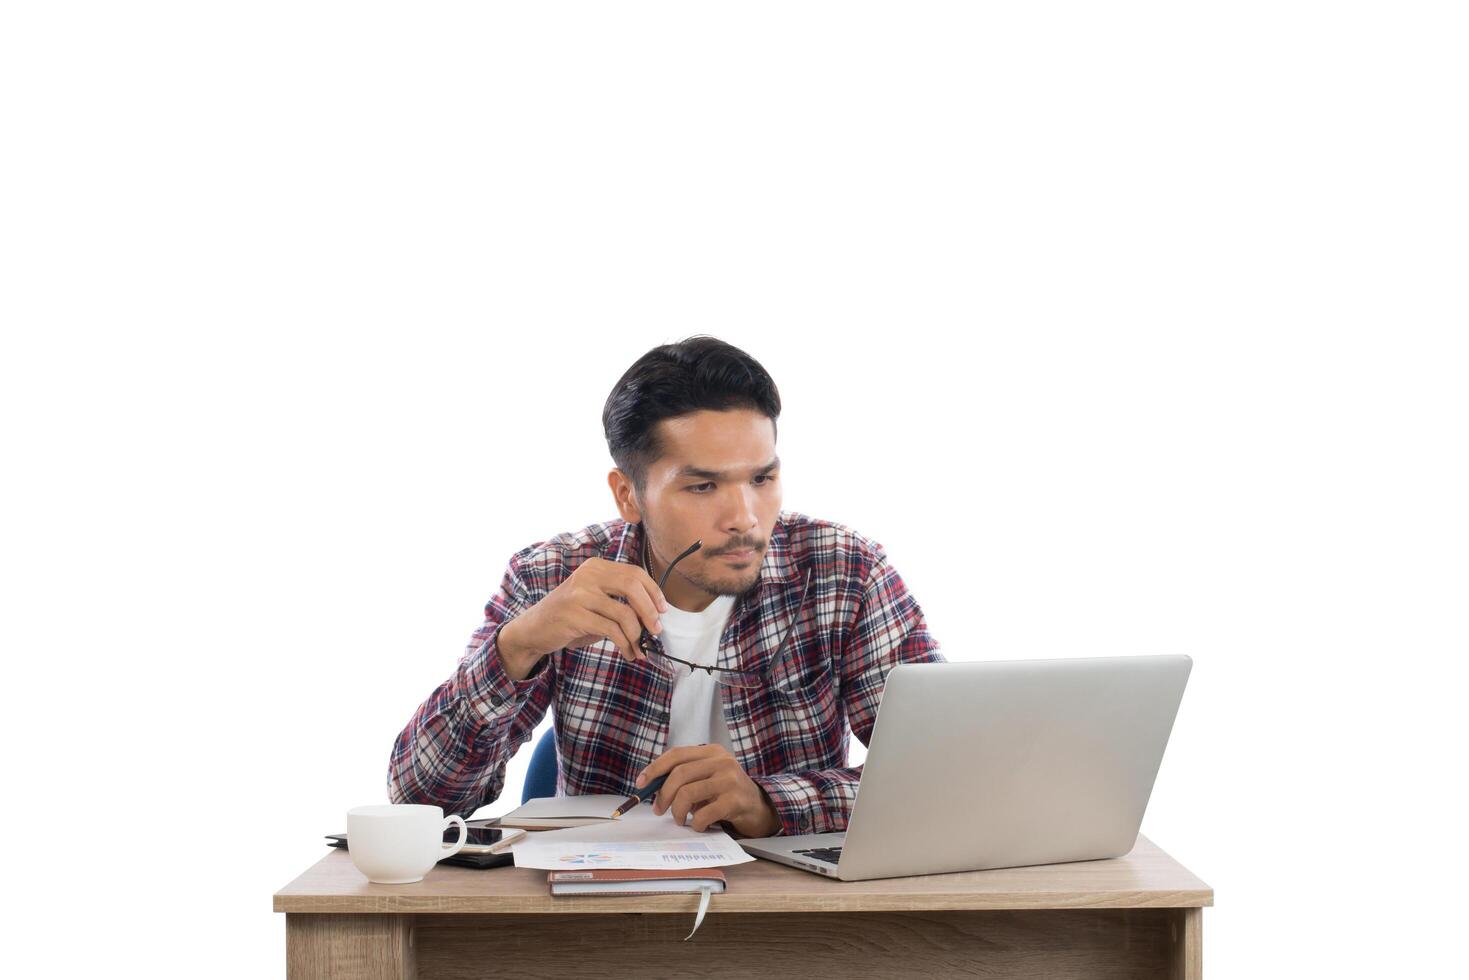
{"points": [[717, 481]]}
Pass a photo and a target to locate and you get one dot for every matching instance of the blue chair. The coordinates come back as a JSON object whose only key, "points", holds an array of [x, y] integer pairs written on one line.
{"points": [[540, 779]]}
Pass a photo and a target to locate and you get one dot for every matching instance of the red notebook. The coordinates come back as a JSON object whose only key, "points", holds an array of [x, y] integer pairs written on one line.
{"points": [[620, 881]]}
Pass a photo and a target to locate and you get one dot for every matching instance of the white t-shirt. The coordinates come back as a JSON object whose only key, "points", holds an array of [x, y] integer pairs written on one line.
{"points": [[696, 716]]}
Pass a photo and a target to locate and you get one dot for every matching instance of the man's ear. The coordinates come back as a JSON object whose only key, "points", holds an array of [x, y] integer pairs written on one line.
{"points": [[624, 496]]}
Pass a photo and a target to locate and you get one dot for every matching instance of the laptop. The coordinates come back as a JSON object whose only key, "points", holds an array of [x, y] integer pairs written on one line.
{"points": [[1001, 765]]}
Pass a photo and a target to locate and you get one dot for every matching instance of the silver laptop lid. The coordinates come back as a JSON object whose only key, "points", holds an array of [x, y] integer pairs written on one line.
{"points": [[1011, 763]]}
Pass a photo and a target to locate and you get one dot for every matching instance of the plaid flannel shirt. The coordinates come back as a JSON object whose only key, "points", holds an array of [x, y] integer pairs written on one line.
{"points": [[611, 716]]}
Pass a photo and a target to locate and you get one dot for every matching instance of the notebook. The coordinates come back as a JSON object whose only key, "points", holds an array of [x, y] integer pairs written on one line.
{"points": [[553, 812], [623, 881], [626, 881]]}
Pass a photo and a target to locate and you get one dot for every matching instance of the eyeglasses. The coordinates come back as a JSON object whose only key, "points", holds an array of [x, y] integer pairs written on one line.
{"points": [[652, 646]]}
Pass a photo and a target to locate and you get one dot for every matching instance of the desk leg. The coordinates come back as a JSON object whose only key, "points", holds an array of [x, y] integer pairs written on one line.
{"points": [[1188, 944], [349, 947]]}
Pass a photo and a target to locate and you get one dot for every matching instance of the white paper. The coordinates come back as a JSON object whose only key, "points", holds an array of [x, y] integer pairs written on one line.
{"points": [[639, 840]]}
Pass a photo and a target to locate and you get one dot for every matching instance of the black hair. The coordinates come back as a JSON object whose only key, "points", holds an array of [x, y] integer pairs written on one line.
{"points": [[695, 374]]}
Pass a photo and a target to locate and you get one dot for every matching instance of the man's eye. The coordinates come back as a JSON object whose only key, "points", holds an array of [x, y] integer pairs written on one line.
{"points": [[765, 477]]}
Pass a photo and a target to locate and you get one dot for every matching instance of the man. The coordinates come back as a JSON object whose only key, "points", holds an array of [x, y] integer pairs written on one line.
{"points": [[786, 627]]}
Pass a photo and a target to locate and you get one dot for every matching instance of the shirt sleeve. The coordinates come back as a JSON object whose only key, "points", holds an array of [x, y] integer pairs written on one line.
{"points": [[454, 749], [889, 630]]}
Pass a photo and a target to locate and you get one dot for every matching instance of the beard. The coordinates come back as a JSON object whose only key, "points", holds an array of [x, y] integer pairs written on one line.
{"points": [[732, 582], [710, 577]]}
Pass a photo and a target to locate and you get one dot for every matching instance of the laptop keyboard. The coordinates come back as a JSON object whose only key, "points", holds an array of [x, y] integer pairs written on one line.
{"points": [[832, 854]]}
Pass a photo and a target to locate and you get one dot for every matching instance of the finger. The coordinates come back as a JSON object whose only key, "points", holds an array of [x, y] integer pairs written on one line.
{"points": [[693, 792], [673, 757], [680, 777], [598, 625], [721, 808], [670, 760], [631, 585], [719, 789], [627, 622], [655, 594]]}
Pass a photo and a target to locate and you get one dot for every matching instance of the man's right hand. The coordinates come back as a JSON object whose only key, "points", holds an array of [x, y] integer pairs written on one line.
{"points": [[583, 610]]}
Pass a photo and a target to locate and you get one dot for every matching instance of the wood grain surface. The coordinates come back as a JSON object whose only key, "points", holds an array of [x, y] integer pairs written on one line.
{"points": [[1062, 944], [1144, 878], [359, 947]]}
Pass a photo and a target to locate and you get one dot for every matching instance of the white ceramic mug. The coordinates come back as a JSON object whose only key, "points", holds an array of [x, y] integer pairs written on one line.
{"points": [[397, 843]]}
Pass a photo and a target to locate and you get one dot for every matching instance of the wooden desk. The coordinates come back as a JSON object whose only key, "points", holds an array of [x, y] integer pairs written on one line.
{"points": [[1134, 916]]}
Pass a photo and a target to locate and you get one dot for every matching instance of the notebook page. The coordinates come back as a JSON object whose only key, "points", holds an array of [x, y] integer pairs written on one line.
{"points": [[551, 807]]}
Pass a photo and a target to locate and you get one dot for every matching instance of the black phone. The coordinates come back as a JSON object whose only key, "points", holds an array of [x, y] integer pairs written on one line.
{"points": [[479, 835]]}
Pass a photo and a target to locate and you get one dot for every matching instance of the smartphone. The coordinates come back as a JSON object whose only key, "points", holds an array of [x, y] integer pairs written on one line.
{"points": [[480, 837]]}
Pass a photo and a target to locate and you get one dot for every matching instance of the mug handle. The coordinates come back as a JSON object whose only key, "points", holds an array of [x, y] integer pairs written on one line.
{"points": [[452, 849]]}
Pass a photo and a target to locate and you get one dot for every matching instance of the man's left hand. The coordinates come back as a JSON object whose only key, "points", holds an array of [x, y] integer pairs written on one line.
{"points": [[708, 782]]}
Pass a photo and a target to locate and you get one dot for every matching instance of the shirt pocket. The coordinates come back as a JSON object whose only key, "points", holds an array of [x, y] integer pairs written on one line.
{"points": [[809, 718]]}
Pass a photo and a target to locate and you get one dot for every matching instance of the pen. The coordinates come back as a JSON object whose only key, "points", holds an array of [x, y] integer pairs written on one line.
{"points": [[642, 796]]}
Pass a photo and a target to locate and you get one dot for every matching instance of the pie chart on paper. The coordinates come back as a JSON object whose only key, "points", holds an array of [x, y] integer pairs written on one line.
{"points": [[586, 858]]}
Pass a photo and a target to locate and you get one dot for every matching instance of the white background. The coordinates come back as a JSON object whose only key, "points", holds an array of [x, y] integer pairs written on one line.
{"points": [[1126, 328]]}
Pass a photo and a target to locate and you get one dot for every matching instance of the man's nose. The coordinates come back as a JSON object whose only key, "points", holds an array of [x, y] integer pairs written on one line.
{"points": [[742, 518]]}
